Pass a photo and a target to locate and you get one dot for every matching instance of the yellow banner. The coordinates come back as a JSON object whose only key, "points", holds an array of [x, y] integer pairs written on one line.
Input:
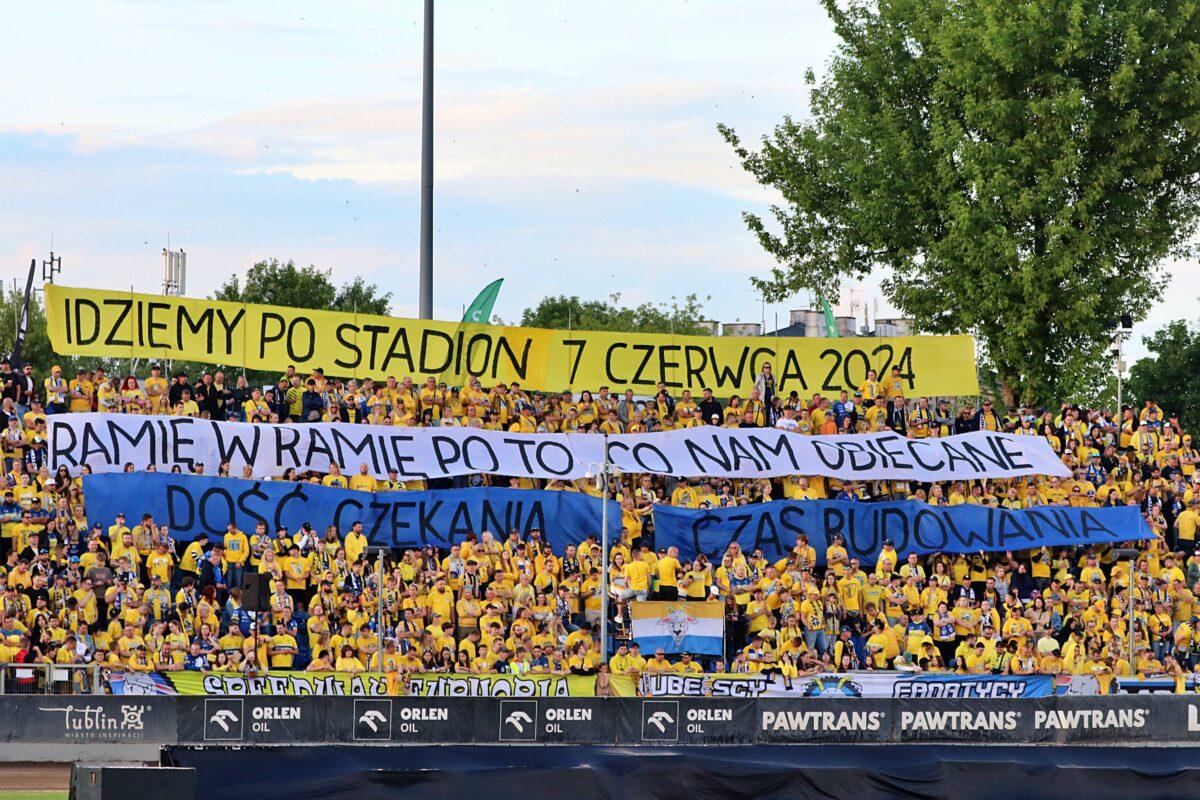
{"points": [[108, 324], [429, 684], [368, 684]]}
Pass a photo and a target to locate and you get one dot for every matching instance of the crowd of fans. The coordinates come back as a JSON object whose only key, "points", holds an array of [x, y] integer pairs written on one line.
{"points": [[122, 593]]}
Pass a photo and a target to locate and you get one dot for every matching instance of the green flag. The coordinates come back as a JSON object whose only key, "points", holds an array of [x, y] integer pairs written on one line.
{"points": [[831, 330], [481, 309]]}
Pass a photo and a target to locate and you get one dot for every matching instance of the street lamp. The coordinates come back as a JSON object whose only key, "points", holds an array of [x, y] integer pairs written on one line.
{"points": [[603, 473], [1133, 554], [1118, 353]]}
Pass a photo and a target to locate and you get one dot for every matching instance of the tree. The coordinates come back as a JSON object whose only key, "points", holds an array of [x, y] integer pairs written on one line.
{"points": [[564, 312], [1017, 170], [1169, 375], [284, 284], [37, 349], [279, 284]]}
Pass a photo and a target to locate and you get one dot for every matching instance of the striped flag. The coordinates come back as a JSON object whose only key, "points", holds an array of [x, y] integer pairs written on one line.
{"points": [[679, 627]]}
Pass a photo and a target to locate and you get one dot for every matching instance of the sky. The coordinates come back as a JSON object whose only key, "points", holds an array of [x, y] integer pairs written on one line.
{"points": [[576, 148]]}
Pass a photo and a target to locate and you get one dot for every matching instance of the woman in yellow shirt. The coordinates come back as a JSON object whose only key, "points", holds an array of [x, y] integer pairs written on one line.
{"points": [[132, 399], [733, 411], [585, 409], [223, 663], [106, 396], [348, 661], [869, 388]]}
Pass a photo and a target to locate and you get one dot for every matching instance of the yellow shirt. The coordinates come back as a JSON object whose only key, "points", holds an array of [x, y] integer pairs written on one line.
{"points": [[336, 481], [156, 393], [237, 548], [362, 483], [81, 395], [281, 660], [667, 571], [637, 573]]}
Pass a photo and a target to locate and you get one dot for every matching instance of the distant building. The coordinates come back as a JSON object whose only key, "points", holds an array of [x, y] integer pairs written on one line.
{"points": [[711, 326], [893, 327], [811, 323], [741, 329]]}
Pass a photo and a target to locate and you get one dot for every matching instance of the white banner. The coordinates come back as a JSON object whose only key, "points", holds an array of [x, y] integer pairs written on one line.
{"points": [[109, 442]]}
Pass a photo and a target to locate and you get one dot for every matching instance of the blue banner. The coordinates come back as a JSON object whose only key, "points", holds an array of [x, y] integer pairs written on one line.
{"points": [[190, 505], [911, 526]]}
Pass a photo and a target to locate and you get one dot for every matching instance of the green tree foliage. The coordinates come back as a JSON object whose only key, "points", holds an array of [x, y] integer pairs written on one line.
{"points": [[1169, 375], [1016, 170], [269, 282], [37, 349], [564, 312], [279, 283], [284, 284]]}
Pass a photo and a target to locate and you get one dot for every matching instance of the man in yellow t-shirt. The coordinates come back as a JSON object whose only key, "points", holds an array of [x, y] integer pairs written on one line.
{"points": [[1186, 524], [356, 542], [81, 392], [237, 551], [156, 390], [668, 569], [282, 648], [637, 579], [161, 563], [363, 481]]}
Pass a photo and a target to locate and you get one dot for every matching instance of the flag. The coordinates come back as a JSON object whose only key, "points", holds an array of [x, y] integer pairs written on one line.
{"points": [[22, 322], [831, 330], [679, 627], [481, 309]]}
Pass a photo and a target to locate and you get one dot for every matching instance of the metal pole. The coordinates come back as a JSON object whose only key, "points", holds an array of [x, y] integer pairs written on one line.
{"points": [[426, 301], [604, 556], [1132, 660], [1120, 414], [379, 615]]}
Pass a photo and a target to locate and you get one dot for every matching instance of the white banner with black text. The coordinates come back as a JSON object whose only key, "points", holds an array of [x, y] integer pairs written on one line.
{"points": [[111, 442]]}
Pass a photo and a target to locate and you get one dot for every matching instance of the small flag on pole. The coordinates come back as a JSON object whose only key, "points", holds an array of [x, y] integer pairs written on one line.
{"points": [[481, 309], [831, 330]]}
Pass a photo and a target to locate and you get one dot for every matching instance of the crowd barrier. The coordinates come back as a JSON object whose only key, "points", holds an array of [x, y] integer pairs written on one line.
{"points": [[56, 679], [615, 721]]}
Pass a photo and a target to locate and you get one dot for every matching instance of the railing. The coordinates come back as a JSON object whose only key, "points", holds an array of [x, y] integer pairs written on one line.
{"points": [[38, 679]]}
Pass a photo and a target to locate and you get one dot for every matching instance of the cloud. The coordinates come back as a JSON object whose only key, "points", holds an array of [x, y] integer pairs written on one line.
{"points": [[494, 143], [576, 145], [112, 211]]}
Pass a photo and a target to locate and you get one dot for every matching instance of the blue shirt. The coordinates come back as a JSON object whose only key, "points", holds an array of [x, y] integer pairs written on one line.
{"points": [[841, 410], [196, 663]]}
